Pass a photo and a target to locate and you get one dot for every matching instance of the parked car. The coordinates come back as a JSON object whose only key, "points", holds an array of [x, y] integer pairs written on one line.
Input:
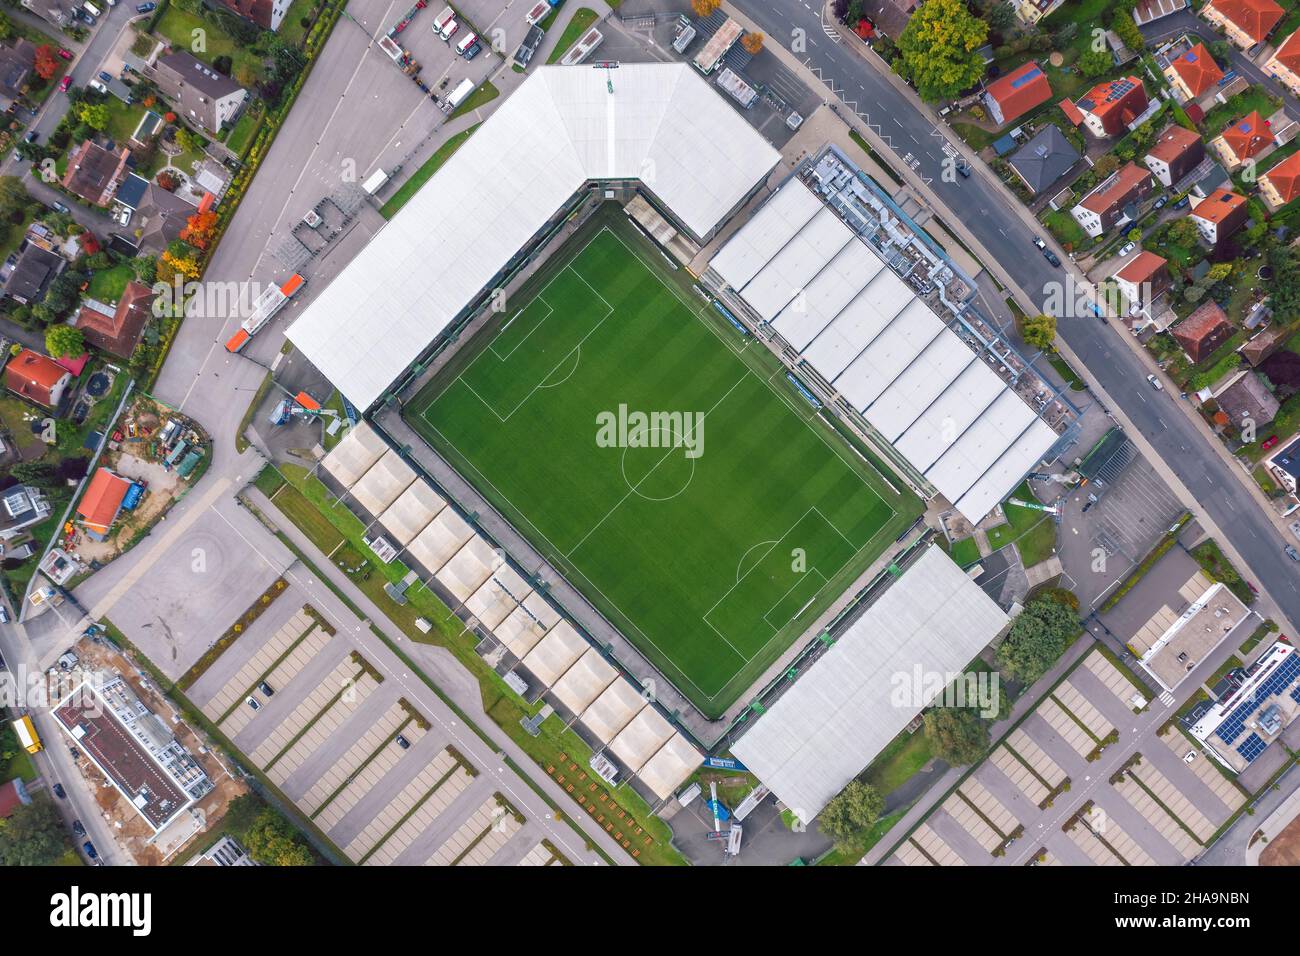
{"points": [[65, 83], [1182, 202], [90, 850], [474, 50], [106, 76], [1051, 257], [1038, 241], [146, 7], [65, 54], [1292, 553], [964, 168], [402, 742], [59, 791], [266, 689], [59, 207], [1160, 203], [1126, 249], [31, 136], [1155, 383], [1269, 442], [4, 619], [77, 828], [252, 702]]}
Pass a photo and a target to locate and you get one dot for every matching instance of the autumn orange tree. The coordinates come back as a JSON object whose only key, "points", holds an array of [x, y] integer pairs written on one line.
{"points": [[703, 8], [199, 229], [47, 61], [752, 42]]}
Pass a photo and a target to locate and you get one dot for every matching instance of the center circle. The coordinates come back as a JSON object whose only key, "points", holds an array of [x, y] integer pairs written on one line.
{"points": [[657, 474]]}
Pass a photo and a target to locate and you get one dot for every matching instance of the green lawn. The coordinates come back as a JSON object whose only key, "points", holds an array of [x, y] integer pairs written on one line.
{"points": [[176, 26], [422, 175], [1065, 228], [485, 94], [107, 285], [583, 17], [899, 761], [965, 552], [1249, 100], [711, 546], [1033, 531], [241, 134]]}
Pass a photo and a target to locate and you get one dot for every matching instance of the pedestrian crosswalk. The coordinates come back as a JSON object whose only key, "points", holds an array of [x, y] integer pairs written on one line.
{"points": [[1166, 698]]}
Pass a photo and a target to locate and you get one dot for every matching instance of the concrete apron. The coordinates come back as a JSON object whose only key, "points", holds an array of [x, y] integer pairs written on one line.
{"points": [[991, 262]]}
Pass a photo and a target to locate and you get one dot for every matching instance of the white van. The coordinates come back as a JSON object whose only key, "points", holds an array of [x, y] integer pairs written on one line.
{"points": [[441, 19], [449, 29], [466, 42], [91, 9]]}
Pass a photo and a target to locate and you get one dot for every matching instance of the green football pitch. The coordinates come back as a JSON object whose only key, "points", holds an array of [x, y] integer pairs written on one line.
{"points": [[712, 538]]}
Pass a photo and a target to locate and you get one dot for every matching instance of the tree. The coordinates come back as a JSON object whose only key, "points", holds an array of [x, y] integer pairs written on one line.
{"points": [[1095, 63], [32, 835], [1134, 235], [938, 49], [852, 811], [1000, 17], [704, 8], [94, 115], [1127, 30], [64, 340], [1039, 636], [1182, 231], [199, 229], [958, 734], [14, 197], [39, 473], [1105, 165], [186, 140], [1040, 332], [46, 62], [753, 43], [64, 292], [273, 841]]}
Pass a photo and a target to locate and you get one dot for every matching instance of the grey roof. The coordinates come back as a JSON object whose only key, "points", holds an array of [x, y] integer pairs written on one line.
{"points": [[32, 273], [198, 74], [1044, 159], [847, 706]]}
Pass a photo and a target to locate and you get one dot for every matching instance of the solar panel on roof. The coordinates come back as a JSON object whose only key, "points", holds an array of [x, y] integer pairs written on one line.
{"points": [[1235, 723], [1251, 747], [1191, 56], [1030, 76]]}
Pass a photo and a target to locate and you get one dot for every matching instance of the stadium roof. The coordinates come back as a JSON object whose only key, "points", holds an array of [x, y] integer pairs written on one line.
{"points": [[841, 713], [883, 349], [663, 124], [354, 455]]}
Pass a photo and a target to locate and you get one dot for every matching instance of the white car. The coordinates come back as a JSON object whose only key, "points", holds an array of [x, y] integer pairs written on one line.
{"points": [[1127, 248], [1155, 383]]}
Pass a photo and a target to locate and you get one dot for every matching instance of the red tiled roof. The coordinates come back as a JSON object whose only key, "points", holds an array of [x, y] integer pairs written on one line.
{"points": [[1020, 90], [1288, 54], [1255, 18], [1144, 265], [1248, 136], [118, 333], [33, 376], [1207, 323], [1071, 112], [1118, 190], [1198, 69], [1219, 205], [1172, 143], [1125, 96], [9, 798], [1285, 177], [103, 498]]}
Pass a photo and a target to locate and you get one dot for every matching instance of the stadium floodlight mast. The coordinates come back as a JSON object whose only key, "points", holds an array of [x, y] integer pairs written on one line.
{"points": [[608, 66]]}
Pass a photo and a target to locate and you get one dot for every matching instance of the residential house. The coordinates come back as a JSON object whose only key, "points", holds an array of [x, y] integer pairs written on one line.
{"points": [[1193, 74], [57, 13], [17, 61], [1281, 183], [1206, 184], [1174, 154], [1114, 201], [1031, 11], [1219, 216], [1012, 96], [1284, 464], [32, 274], [267, 14], [204, 97], [1247, 401], [1042, 161], [94, 172], [1244, 22], [1143, 279], [21, 506], [1265, 343], [1203, 331], [1284, 65], [1242, 140], [100, 505], [37, 378], [1108, 108], [116, 329], [156, 216], [1149, 11]]}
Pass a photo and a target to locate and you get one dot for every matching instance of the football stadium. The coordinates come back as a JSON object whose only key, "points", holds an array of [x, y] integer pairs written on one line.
{"points": [[712, 539]]}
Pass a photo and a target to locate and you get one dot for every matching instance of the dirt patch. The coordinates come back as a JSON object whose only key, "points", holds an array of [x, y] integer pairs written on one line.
{"points": [[1284, 849]]}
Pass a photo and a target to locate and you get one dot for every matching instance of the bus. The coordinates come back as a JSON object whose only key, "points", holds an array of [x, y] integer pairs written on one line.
{"points": [[27, 735]]}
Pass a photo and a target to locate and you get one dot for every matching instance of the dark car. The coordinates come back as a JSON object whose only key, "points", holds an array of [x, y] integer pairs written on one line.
{"points": [[77, 828], [474, 51], [59, 791], [146, 8], [964, 169], [266, 689], [106, 76], [90, 850], [31, 136], [1292, 553], [1051, 257], [59, 207], [402, 742]]}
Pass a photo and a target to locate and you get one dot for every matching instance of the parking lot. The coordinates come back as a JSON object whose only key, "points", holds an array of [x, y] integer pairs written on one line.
{"points": [[1087, 778]]}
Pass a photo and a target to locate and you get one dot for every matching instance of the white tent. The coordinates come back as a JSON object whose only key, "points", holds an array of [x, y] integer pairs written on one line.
{"points": [[583, 682], [440, 540], [411, 512], [610, 712], [526, 625], [498, 596], [670, 766], [469, 568], [354, 455], [555, 653], [662, 124], [641, 738], [383, 482]]}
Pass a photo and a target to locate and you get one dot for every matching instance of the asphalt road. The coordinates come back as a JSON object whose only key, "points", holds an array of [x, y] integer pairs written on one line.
{"points": [[987, 210]]}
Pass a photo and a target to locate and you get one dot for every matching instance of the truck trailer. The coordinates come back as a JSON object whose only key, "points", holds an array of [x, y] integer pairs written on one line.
{"points": [[270, 302], [27, 735]]}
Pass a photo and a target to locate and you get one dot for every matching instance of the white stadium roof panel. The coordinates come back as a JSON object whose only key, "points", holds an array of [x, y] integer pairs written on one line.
{"points": [[584, 681], [762, 237], [469, 568], [526, 625], [826, 296], [558, 129], [870, 374], [950, 415], [555, 653], [411, 512], [610, 712], [641, 738], [440, 540], [857, 324], [670, 766], [355, 454], [924, 380], [1027, 451], [836, 717], [979, 446], [498, 596], [794, 267], [383, 482]]}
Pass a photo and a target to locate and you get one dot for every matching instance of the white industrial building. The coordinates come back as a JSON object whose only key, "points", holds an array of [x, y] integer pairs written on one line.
{"points": [[838, 715], [883, 349], [563, 127]]}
